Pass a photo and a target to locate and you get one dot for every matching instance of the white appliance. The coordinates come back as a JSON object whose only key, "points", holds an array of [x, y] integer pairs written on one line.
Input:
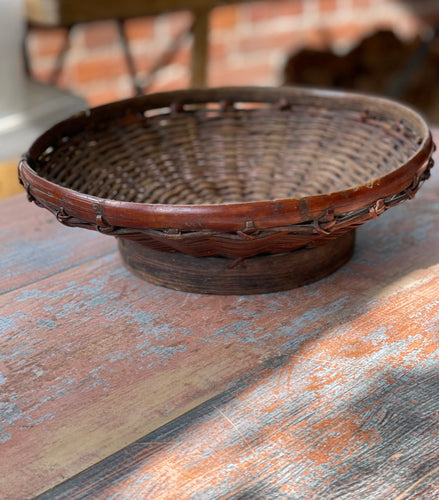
{"points": [[27, 108]]}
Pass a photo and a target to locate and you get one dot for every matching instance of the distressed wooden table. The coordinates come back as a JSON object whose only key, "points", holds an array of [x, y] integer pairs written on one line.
{"points": [[115, 388]]}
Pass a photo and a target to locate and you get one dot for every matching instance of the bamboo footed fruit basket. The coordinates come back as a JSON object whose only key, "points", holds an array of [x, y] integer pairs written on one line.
{"points": [[231, 190]]}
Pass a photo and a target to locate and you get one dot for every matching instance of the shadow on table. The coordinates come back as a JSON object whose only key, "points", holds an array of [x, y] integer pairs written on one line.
{"points": [[378, 442]]}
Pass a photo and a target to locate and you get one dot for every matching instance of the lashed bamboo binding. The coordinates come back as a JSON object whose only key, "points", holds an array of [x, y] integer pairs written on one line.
{"points": [[231, 190]]}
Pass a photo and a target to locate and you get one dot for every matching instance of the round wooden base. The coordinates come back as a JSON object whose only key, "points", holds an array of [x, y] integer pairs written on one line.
{"points": [[215, 275]]}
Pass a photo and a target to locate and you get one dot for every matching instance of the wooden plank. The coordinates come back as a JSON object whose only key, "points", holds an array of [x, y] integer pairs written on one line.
{"points": [[34, 245], [297, 429], [94, 358]]}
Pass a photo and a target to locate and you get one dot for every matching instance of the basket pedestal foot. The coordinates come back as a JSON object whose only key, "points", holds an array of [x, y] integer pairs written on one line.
{"points": [[260, 274]]}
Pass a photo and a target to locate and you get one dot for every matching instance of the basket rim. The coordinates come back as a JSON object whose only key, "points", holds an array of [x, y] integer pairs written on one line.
{"points": [[227, 216]]}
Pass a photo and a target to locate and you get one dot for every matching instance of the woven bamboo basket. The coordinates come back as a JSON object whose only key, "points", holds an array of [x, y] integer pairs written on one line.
{"points": [[231, 190]]}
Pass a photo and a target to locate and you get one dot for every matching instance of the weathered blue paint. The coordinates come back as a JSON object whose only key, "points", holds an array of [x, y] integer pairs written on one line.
{"points": [[160, 355], [10, 413], [9, 323], [244, 330], [46, 323], [37, 421], [28, 253]]}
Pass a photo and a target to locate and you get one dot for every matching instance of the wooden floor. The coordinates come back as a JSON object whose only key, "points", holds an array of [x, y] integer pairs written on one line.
{"points": [[327, 391]]}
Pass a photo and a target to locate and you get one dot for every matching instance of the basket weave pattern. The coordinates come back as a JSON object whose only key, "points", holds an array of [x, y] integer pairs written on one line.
{"points": [[292, 168]]}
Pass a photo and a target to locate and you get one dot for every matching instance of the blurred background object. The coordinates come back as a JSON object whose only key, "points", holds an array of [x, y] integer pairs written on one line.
{"points": [[362, 44], [27, 107], [67, 14], [381, 63]]}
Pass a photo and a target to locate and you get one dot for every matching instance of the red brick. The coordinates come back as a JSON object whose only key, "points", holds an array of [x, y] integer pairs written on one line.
{"points": [[160, 86], [65, 78], [177, 22], [46, 42], [327, 5], [96, 68], [217, 50], [99, 34], [318, 39], [140, 28], [224, 17], [143, 61], [260, 11], [42, 74], [104, 95], [281, 41], [361, 3], [251, 74], [183, 56]]}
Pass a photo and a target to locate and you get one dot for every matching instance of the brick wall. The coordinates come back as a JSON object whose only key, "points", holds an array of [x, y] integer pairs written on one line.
{"points": [[249, 43]]}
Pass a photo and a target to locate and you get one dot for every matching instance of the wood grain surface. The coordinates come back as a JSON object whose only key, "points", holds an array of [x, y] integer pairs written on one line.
{"points": [[34, 246], [327, 391], [296, 429]]}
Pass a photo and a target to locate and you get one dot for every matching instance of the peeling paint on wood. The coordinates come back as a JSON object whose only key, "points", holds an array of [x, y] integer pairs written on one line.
{"points": [[34, 247], [298, 430], [327, 390]]}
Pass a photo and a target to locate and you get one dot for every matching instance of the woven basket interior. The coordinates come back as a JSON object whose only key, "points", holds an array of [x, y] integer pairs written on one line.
{"points": [[207, 155]]}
